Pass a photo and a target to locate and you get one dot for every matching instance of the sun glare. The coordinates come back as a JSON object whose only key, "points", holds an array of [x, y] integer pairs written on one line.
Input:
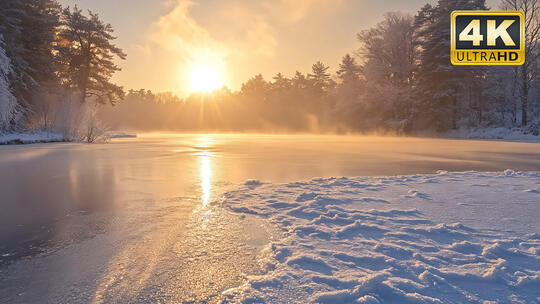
{"points": [[205, 79]]}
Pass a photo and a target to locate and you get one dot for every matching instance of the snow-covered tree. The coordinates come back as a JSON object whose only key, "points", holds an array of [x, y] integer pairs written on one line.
{"points": [[10, 110], [530, 70], [29, 28], [440, 85], [502, 94], [388, 61], [11, 18]]}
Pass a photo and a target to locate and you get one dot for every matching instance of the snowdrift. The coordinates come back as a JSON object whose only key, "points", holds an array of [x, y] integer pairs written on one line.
{"points": [[446, 238]]}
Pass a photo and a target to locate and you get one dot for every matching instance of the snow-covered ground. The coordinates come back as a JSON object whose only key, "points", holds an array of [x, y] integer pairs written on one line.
{"points": [[40, 136], [515, 134], [30, 137], [120, 134], [465, 237]]}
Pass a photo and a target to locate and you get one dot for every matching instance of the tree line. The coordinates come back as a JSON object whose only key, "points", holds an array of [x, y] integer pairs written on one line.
{"points": [[400, 79], [52, 60]]}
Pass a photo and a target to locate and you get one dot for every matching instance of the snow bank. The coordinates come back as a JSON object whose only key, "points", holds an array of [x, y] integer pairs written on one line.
{"points": [[397, 239], [30, 137], [517, 134], [120, 134]]}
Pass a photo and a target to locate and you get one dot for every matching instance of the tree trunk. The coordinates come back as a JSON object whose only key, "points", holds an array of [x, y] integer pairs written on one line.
{"points": [[480, 109], [524, 96], [514, 99], [83, 94], [86, 75], [454, 113]]}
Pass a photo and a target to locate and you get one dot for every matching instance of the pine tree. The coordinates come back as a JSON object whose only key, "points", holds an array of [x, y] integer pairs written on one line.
{"points": [[38, 36], [320, 76], [29, 29], [440, 84], [300, 87], [349, 70], [299, 81], [349, 88], [87, 55], [11, 19], [255, 88], [281, 83]]}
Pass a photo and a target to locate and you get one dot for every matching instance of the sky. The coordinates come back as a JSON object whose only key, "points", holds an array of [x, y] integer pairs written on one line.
{"points": [[167, 39]]}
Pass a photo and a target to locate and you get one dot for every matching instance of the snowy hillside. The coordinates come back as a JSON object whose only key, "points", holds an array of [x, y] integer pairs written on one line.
{"points": [[447, 238]]}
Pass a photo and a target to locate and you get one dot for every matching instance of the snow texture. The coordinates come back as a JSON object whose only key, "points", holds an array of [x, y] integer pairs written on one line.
{"points": [[406, 239], [30, 137], [120, 134], [501, 133], [10, 110]]}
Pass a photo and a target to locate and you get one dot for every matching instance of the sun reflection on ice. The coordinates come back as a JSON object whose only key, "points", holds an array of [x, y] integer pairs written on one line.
{"points": [[206, 177]]}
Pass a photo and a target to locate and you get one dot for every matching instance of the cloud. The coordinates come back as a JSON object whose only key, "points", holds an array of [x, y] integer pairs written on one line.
{"points": [[235, 27], [261, 38], [293, 11], [180, 34], [232, 36]]}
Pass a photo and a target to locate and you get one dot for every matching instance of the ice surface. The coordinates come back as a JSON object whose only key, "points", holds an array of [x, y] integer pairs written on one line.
{"points": [[465, 237]]}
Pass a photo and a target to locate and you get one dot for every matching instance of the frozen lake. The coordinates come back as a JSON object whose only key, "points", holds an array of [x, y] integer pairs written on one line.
{"points": [[132, 220]]}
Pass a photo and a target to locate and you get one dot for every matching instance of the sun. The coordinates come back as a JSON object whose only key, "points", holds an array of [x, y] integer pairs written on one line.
{"points": [[205, 79]]}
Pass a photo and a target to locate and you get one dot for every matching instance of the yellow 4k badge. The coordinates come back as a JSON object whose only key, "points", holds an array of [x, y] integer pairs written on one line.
{"points": [[487, 38]]}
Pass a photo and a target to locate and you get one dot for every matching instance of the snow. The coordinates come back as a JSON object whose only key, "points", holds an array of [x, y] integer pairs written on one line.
{"points": [[44, 136], [515, 134], [466, 237], [120, 134], [30, 137], [10, 111]]}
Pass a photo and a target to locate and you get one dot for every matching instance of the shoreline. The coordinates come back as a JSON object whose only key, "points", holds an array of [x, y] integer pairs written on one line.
{"points": [[38, 137], [45, 137]]}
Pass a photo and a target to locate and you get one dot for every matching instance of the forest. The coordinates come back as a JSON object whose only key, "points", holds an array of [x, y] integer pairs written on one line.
{"points": [[56, 64], [55, 68]]}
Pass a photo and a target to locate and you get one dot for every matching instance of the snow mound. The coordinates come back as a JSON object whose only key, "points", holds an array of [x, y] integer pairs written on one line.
{"points": [[338, 244], [120, 134], [497, 133], [30, 137]]}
